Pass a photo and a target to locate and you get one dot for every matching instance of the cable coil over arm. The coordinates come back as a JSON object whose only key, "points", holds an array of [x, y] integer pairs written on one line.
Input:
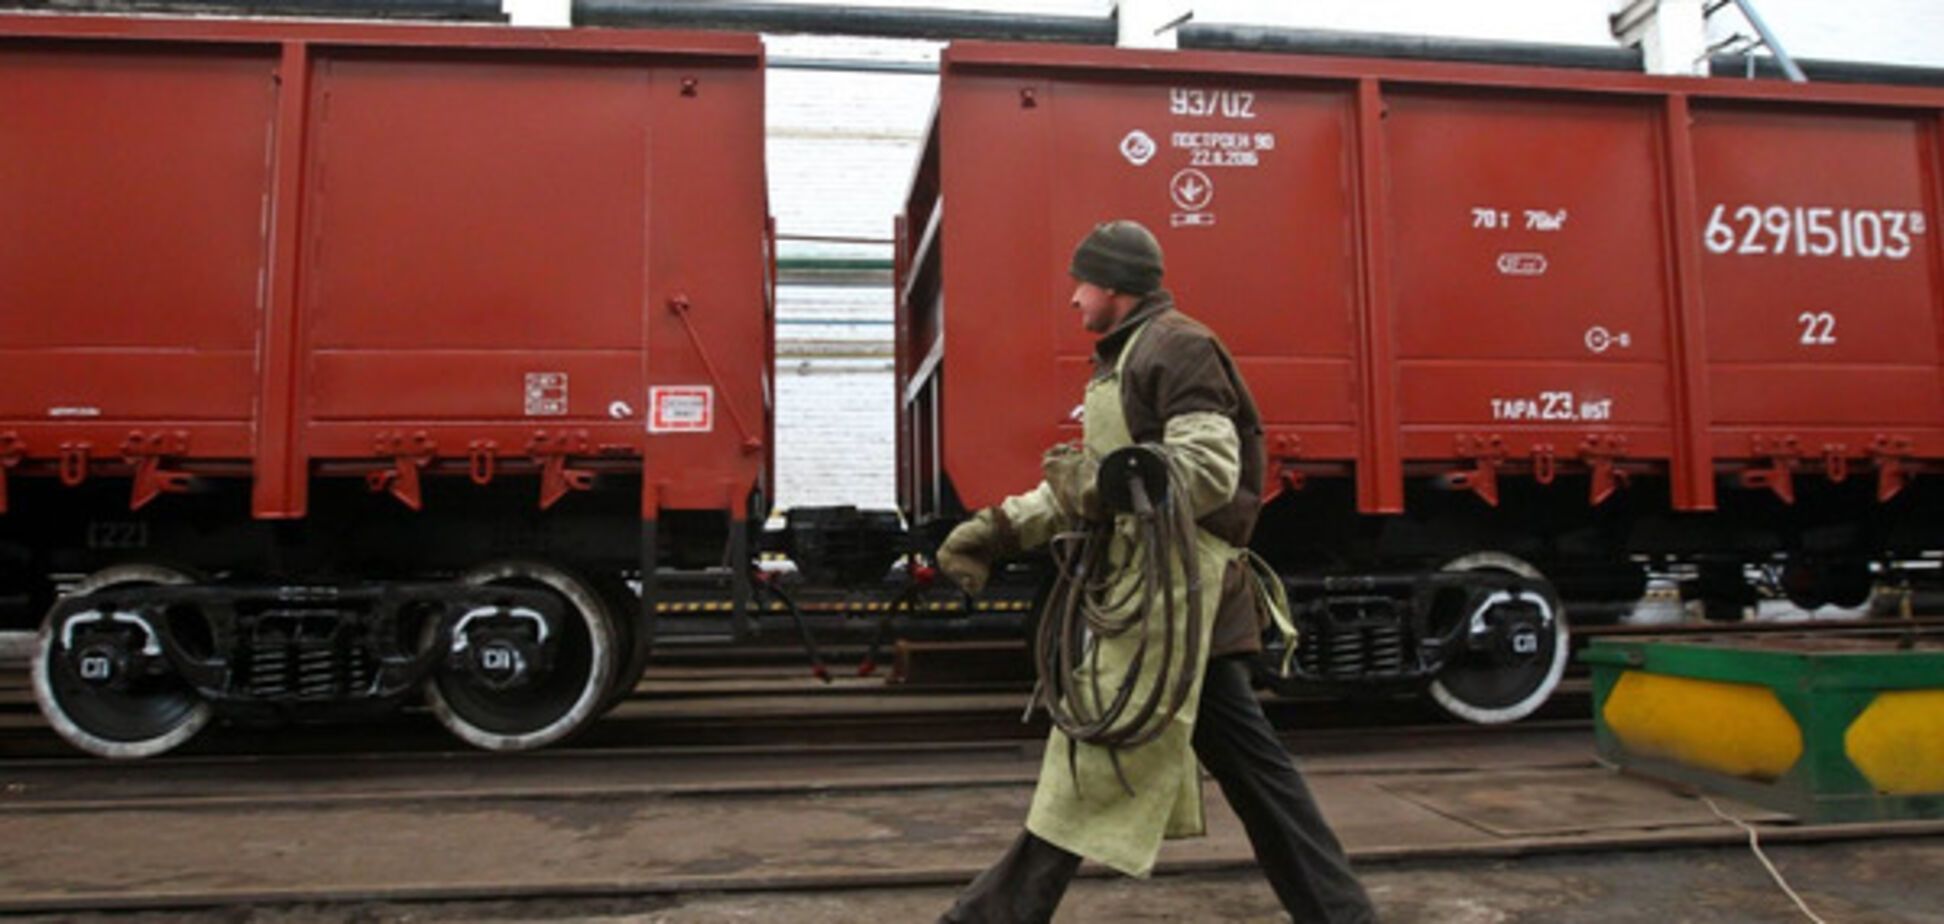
{"points": [[1096, 601]]}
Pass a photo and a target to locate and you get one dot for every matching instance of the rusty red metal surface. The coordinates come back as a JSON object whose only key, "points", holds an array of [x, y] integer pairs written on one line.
{"points": [[1460, 272], [271, 250]]}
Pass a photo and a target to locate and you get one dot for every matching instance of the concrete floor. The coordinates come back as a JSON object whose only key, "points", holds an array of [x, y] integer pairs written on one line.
{"points": [[1856, 883], [1474, 828]]}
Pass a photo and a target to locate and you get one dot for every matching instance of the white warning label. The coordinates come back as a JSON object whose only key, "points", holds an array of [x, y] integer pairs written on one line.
{"points": [[546, 394], [681, 409]]}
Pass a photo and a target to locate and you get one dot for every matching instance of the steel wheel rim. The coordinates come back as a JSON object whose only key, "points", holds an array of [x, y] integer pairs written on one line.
{"points": [[565, 701], [1476, 689], [159, 717]]}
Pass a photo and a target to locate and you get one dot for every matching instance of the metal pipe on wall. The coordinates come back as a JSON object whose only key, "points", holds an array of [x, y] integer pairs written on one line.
{"points": [[1418, 47], [882, 22], [440, 10], [1774, 44]]}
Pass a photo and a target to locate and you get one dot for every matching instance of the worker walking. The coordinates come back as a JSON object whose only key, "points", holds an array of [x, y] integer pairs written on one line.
{"points": [[1144, 646]]}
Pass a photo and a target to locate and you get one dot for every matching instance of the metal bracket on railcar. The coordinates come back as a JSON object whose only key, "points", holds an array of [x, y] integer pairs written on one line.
{"points": [[1779, 474], [73, 464], [1601, 455], [146, 452], [1836, 462], [1285, 450], [482, 461], [1487, 454], [1288, 480], [1545, 463], [556, 479], [1892, 454], [408, 454]]}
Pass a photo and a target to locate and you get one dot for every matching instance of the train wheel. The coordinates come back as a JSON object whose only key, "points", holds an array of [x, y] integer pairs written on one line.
{"points": [[1811, 584], [100, 683], [1851, 584], [634, 641], [1724, 592], [1805, 585], [1525, 654], [489, 692]]}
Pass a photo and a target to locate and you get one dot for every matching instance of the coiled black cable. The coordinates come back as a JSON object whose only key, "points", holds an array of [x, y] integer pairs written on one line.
{"points": [[1084, 612]]}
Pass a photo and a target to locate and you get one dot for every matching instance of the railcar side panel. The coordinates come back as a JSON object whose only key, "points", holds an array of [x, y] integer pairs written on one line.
{"points": [[1531, 314], [1253, 204], [476, 237], [305, 250], [1516, 273], [1821, 288], [132, 242]]}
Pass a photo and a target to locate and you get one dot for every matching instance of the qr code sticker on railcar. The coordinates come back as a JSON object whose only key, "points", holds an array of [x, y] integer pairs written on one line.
{"points": [[546, 394]]}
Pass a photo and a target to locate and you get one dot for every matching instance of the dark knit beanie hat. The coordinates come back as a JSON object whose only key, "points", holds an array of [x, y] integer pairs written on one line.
{"points": [[1119, 255]]}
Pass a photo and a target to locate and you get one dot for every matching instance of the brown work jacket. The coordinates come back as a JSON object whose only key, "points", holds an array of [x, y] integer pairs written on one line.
{"points": [[1178, 367]]}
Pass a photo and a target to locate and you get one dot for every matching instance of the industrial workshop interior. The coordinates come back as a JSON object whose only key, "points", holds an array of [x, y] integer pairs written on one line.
{"points": [[972, 461]]}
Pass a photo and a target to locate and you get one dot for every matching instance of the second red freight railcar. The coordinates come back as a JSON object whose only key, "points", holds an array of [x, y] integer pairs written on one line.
{"points": [[1515, 332]]}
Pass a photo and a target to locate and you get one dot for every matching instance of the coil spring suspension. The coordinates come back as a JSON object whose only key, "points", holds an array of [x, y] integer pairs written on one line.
{"points": [[1351, 652], [269, 675], [316, 671], [304, 655], [1386, 649], [1346, 653]]}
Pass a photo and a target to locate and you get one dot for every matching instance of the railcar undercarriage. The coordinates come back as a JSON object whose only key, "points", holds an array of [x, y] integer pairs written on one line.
{"points": [[517, 630]]}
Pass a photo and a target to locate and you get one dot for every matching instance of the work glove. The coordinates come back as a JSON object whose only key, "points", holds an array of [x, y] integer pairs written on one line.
{"points": [[1073, 472], [967, 554]]}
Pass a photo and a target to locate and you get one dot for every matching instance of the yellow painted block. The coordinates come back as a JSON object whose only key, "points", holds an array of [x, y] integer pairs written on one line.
{"points": [[1898, 742], [1735, 729]]}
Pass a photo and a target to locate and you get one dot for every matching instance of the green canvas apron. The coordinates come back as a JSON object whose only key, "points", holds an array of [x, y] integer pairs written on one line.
{"points": [[1081, 806]]}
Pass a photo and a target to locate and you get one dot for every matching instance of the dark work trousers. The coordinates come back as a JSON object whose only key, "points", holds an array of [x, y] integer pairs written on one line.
{"points": [[1294, 845]]}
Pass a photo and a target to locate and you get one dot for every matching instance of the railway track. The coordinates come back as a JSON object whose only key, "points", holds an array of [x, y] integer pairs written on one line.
{"points": [[325, 833], [240, 781]]}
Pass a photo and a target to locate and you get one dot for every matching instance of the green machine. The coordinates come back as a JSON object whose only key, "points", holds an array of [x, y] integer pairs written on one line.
{"points": [[1829, 727]]}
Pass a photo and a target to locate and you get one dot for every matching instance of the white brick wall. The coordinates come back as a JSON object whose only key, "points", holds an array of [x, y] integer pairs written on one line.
{"points": [[842, 147], [834, 439]]}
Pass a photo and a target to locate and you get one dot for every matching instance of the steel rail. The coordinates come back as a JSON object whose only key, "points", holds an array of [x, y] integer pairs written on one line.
{"points": [[255, 783], [700, 729]]}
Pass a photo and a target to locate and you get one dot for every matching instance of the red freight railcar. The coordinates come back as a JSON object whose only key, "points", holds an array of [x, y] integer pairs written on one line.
{"points": [[342, 358], [1516, 333]]}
